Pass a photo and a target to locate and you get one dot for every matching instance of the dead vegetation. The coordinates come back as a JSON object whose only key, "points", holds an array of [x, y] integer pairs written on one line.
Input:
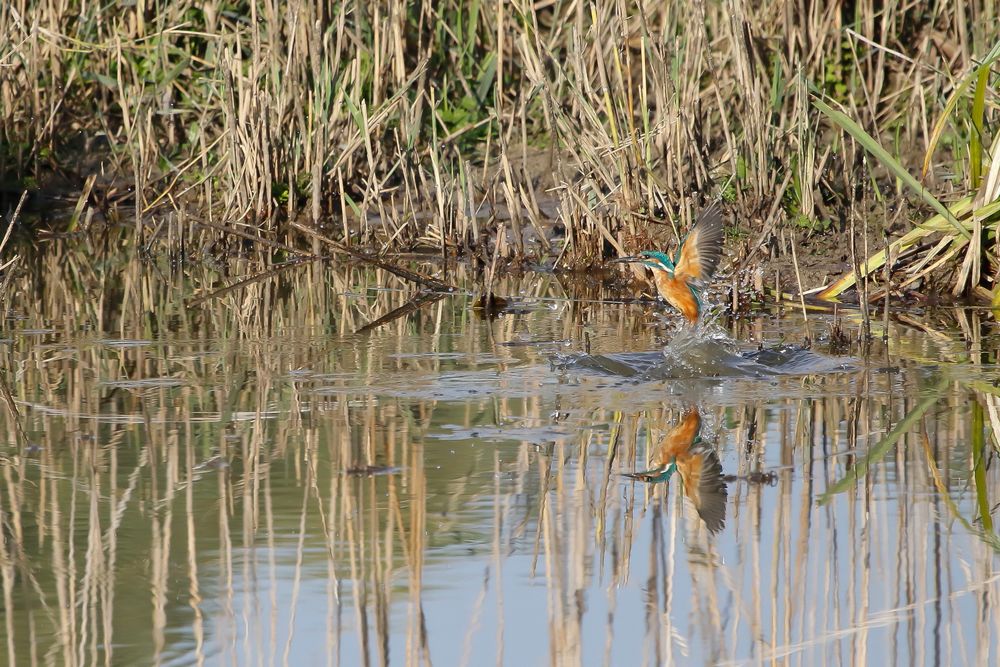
{"points": [[571, 127]]}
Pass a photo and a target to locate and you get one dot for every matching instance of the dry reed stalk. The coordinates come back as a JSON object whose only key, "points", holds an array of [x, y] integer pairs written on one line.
{"points": [[8, 269], [623, 86]]}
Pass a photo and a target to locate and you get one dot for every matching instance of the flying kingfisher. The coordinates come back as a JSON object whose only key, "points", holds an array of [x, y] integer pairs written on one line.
{"points": [[679, 280], [682, 451]]}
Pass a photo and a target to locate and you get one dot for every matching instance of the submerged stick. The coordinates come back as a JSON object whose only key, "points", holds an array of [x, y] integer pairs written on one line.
{"points": [[433, 289], [274, 270], [418, 301], [256, 239], [406, 274], [3, 244]]}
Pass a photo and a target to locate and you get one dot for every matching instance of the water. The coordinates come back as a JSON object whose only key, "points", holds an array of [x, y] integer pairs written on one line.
{"points": [[249, 481]]}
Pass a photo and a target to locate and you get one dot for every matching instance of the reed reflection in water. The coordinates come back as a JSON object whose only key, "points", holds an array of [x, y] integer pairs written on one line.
{"points": [[248, 482]]}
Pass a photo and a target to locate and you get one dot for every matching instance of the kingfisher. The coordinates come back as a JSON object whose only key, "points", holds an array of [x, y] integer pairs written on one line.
{"points": [[679, 279], [682, 451]]}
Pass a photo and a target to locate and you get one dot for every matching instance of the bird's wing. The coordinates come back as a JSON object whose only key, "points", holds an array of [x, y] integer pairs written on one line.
{"points": [[701, 250], [704, 486]]}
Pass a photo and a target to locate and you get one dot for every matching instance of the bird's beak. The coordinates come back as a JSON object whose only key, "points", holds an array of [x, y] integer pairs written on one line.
{"points": [[654, 475], [627, 260]]}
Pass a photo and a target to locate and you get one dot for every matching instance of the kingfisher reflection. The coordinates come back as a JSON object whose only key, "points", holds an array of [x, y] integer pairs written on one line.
{"points": [[697, 464]]}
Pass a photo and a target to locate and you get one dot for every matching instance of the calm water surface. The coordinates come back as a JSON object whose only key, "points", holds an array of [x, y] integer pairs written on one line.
{"points": [[246, 480]]}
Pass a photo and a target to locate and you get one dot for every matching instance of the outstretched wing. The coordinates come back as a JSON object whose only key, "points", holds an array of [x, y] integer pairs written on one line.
{"points": [[704, 486], [701, 250]]}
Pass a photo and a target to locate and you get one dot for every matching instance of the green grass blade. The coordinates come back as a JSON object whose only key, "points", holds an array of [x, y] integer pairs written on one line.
{"points": [[976, 140], [878, 452], [920, 231], [979, 467], [952, 102], [949, 108], [848, 124], [985, 532]]}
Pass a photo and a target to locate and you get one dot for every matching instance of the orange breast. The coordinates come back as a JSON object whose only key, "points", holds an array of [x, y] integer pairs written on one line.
{"points": [[677, 294], [676, 446], [679, 439]]}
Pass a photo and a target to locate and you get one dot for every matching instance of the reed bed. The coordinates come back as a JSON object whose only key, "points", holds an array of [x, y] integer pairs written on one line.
{"points": [[564, 130]]}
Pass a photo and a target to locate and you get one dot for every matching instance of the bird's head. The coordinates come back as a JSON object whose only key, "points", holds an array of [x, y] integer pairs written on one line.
{"points": [[653, 259], [656, 474]]}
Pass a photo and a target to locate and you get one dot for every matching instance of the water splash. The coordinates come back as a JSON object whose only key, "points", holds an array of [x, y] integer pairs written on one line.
{"points": [[706, 353]]}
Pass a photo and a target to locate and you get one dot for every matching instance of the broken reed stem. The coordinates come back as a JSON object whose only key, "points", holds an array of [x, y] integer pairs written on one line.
{"points": [[13, 221], [889, 261], [8, 399], [798, 280], [861, 279]]}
